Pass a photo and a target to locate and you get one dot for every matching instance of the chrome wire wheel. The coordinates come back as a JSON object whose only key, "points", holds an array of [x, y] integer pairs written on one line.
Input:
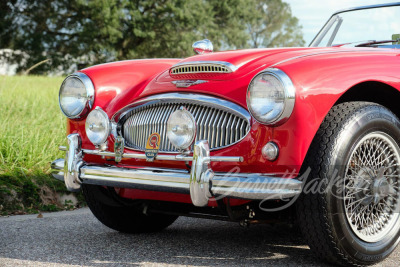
{"points": [[371, 192]]}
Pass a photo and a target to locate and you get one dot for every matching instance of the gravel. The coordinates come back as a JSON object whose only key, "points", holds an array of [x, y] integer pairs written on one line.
{"points": [[76, 238]]}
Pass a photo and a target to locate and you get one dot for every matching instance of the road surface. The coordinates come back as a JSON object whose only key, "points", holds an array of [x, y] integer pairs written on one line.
{"points": [[76, 238]]}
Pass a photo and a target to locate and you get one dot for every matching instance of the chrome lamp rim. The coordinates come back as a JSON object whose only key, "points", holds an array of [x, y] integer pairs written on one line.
{"points": [[290, 96], [90, 94]]}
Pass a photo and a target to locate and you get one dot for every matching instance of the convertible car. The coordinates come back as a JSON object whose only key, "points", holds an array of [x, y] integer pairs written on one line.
{"points": [[305, 135]]}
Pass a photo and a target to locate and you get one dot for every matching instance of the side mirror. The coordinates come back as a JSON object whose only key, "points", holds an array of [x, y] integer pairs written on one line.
{"points": [[203, 47]]}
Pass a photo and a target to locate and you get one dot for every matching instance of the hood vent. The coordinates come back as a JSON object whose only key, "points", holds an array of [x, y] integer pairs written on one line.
{"points": [[202, 67]]}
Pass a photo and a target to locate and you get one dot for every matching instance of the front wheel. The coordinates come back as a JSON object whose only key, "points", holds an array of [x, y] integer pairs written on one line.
{"points": [[349, 209], [121, 216]]}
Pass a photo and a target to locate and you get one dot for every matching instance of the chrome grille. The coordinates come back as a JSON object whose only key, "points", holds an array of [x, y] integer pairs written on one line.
{"points": [[218, 125], [203, 67]]}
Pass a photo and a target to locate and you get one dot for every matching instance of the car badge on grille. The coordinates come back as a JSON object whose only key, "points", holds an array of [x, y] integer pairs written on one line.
{"points": [[187, 83], [152, 146]]}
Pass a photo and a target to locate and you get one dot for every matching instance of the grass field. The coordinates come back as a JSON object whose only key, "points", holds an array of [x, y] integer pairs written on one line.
{"points": [[31, 129]]}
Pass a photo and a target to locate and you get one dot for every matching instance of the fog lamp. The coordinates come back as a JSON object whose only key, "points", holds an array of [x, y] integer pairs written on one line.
{"points": [[270, 151], [181, 129], [98, 126]]}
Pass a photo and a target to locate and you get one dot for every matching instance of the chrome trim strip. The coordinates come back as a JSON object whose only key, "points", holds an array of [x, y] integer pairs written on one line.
{"points": [[187, 97], [158, 157], [229, 66], [87, 82], [290, 95]]}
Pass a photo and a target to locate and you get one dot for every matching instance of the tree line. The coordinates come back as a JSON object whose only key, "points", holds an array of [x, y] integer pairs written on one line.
{"points": [[67, 34]]}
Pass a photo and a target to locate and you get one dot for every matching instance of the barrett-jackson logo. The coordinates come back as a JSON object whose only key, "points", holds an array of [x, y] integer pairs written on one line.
{"points": [[152, 146]]}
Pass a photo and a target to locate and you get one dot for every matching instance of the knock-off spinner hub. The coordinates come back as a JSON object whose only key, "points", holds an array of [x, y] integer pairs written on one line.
{"points": [[371, 188]]}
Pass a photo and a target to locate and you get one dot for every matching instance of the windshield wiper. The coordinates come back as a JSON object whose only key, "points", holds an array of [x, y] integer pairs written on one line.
{"points": [[376, 42]]}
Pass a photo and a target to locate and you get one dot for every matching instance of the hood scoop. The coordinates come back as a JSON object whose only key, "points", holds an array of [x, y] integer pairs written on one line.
{"points": [[206, 67]]}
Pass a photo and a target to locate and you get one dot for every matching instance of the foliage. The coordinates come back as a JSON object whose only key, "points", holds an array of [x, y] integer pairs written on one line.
{"points": [[78, 33], [31, 129]]}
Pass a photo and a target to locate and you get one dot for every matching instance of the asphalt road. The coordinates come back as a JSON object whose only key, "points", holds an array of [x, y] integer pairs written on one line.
{"points": [[76, 238]]}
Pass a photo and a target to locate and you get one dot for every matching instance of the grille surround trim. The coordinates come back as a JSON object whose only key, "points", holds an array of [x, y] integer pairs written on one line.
{"points": [[183, 99]]}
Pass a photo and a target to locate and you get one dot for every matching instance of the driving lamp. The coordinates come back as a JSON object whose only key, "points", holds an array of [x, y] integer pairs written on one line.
{"points": [[271, 97], [76, 95], [98, 126], [181, 129]]}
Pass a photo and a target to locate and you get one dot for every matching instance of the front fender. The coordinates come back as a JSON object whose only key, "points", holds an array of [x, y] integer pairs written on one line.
{"points": [[119, 83], [320, 81]]}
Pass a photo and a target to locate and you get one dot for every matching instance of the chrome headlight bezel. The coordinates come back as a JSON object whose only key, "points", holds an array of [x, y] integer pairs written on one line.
{"points": [[289, 97], [107, 125], [87, 82]]}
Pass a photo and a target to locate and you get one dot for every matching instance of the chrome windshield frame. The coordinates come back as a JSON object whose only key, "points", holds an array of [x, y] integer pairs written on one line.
{"points": [[321, 34]]}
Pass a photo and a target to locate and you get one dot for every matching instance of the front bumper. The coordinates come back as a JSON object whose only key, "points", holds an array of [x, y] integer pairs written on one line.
{"points": [[202, 183]]}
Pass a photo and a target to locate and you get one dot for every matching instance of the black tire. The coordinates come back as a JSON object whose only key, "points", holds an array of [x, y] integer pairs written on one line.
{"points": [[322, 215], [123, 217]]}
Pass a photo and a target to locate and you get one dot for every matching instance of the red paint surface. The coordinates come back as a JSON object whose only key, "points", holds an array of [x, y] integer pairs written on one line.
{"points": [[320, 75]]}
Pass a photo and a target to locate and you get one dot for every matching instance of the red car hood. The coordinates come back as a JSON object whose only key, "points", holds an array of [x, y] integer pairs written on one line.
{"points": [[239, 58], [128, 81], [231, 86]]}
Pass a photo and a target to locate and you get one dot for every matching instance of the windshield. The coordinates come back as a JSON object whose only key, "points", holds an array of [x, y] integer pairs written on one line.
{"points": [[358, 27]]}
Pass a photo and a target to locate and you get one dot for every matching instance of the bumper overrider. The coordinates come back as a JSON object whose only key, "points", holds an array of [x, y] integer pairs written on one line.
{"points": [[202, 183]]}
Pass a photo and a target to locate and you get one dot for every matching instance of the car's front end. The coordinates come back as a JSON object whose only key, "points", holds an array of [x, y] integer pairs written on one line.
{"points": [[242, 135], [204, 142]]}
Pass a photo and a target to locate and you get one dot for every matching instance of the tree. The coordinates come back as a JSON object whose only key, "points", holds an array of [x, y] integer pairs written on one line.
{"points": [[274, 25], [85, 32]]}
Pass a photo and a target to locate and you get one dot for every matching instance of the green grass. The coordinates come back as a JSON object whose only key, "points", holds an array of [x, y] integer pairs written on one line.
{"points": [[31, 129]]}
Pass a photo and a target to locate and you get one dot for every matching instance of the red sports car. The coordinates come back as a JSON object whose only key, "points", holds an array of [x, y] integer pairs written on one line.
{"points": [[309, 135]]}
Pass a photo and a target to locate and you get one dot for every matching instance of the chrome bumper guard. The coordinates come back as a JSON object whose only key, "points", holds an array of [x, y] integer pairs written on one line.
{"points": [[201, 182]]}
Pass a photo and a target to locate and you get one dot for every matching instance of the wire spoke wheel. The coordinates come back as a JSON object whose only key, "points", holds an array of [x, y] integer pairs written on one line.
{"points": [[371, 192]]}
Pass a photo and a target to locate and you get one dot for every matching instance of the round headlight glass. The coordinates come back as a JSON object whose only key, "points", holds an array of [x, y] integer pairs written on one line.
{"points": [[98, 126], [270, 97], [76, 95], [181, 129]]}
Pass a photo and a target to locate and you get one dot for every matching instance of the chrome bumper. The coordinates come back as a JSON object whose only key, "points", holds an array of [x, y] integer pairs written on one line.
{"points": [[201, 182]]}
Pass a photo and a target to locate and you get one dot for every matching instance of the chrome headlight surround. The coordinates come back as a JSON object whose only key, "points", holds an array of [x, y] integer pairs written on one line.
{"points": [[89, 95], [289, 94]]}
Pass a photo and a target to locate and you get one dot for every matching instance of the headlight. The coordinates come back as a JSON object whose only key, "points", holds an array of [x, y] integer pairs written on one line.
{"points": [[181, 128], [76, 95], [271, 97], [98, 126]]}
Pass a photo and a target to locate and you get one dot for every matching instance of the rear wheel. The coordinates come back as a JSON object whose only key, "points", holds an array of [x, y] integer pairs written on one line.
{"points": [[120, 216], [349, 209]]}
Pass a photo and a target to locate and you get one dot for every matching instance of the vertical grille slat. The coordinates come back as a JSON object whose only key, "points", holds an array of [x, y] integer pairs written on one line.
{"points": [[217, 125]]}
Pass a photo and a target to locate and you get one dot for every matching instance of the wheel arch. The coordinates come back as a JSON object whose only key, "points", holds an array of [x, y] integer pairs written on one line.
{"points": [[375, 92], [368, 91]]}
